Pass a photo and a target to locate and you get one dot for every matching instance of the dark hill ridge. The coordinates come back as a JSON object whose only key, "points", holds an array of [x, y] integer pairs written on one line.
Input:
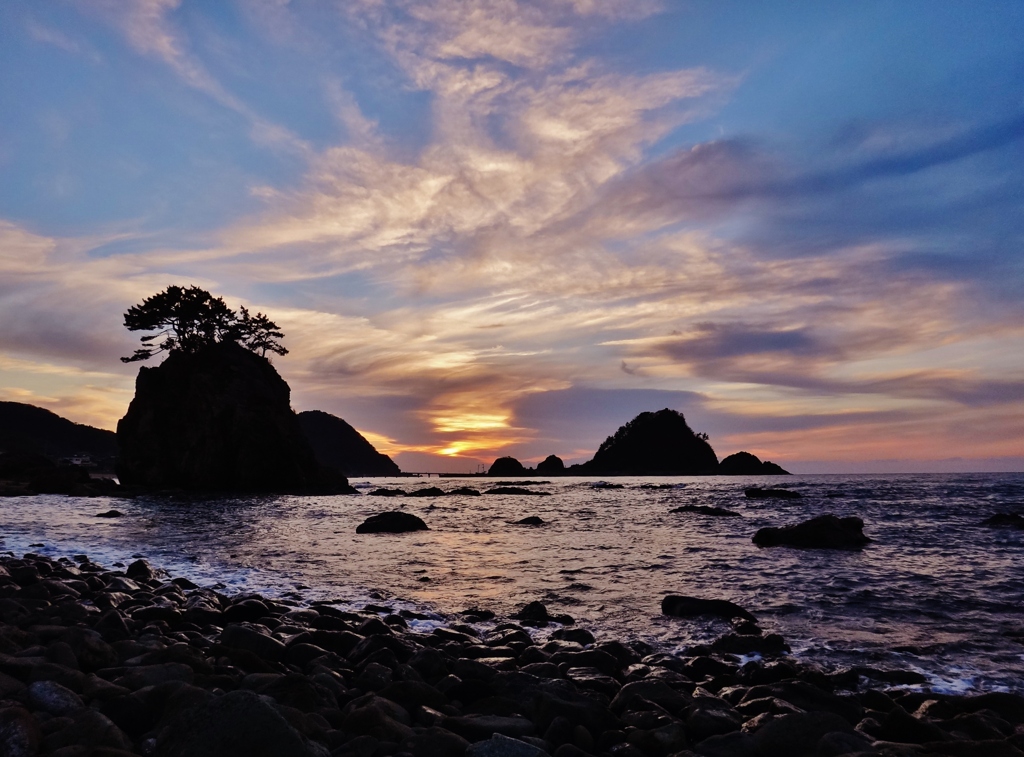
{"points": [[340, 447], [217, 419], [27, 428]]}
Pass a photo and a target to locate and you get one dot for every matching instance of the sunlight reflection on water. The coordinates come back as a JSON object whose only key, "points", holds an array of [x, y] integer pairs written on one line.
{"points": [[935, 591]]}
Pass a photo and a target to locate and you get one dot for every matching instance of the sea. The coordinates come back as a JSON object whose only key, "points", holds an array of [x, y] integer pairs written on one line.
{"points": [[935, 591]]}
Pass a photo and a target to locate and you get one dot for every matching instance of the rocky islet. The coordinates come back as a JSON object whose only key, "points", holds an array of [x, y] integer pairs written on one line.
{"points": [[100, 663]]}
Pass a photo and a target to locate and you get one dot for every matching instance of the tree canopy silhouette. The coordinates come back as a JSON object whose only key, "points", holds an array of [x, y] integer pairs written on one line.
{"points": [[188, 319]]}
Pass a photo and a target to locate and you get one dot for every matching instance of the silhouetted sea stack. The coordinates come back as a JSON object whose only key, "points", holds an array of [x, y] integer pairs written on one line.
{"points": [[217, 419], [340, 447], [823, 532], [654, 444], [507, 466], [746, 464], [551, 465]]}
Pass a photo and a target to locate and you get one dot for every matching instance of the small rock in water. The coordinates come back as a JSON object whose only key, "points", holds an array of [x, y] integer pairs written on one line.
{"points": [[531, 520], [1010, 520], [823, 532], [536, 614], [475, 614], [681, 606], [704, 510], [432, 491], [756, 492], [110, 514], [465, 491], [516, 490], [384, 492], [394, 522], [140, 570]]}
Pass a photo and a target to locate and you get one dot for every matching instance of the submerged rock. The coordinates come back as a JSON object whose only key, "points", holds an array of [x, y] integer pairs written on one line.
{"points": [[516, 490], [531, 520], [110, 514], [704, 510], [823, 532], [1005, 520], [431, 491], [394, 522], [682, 606], [756, 492]]}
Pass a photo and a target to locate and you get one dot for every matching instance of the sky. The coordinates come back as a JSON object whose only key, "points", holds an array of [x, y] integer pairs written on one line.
{"points": [[506, 227]]}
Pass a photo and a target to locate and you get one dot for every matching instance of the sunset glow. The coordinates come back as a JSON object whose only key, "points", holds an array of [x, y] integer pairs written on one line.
{"points": [[495, 227]]}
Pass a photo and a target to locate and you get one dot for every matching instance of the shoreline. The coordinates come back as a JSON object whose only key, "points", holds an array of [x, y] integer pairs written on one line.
{"points": [[111, 663]]}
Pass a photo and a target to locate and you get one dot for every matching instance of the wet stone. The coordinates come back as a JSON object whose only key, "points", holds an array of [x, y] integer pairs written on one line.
{"points": [[51, 697]]}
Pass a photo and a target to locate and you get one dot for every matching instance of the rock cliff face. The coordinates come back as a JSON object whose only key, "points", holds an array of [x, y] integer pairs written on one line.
{"points": [[217, 420], [654, 444], [340, 447]]}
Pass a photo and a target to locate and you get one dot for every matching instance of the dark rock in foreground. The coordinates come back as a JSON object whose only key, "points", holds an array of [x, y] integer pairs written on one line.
{"points": [[654, 444], [340, 447], [704, 510], [756, 492], [237, 724], [217, 420], [507, 466], [681, 606], [823, 532], [746, 464], [94, 664], [394, 522], [1005, 520], [536, 614], [551, 465]]}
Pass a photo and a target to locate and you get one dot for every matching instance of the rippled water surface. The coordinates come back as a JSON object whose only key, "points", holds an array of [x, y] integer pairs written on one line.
{"points": [[935, 591]]}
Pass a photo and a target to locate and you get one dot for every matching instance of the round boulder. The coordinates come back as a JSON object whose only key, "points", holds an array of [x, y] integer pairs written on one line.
{"points": [[823, 532], [394, 522]]}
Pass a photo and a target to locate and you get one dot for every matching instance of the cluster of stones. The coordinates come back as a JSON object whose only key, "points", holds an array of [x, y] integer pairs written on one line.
{"points": [[99, 663]]}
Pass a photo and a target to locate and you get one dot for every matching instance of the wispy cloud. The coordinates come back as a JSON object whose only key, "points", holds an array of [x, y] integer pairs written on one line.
{"points": [[561, 237]]}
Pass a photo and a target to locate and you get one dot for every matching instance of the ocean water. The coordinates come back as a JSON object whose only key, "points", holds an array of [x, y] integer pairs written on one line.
{"points": [[935, 592]]}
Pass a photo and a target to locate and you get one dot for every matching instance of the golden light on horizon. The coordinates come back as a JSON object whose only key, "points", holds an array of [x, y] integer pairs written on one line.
{"points": [[471, 422]]}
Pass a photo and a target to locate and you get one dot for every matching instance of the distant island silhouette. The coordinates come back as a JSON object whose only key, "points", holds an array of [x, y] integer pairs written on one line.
{"points": [[652, 444], [215, 416]]}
